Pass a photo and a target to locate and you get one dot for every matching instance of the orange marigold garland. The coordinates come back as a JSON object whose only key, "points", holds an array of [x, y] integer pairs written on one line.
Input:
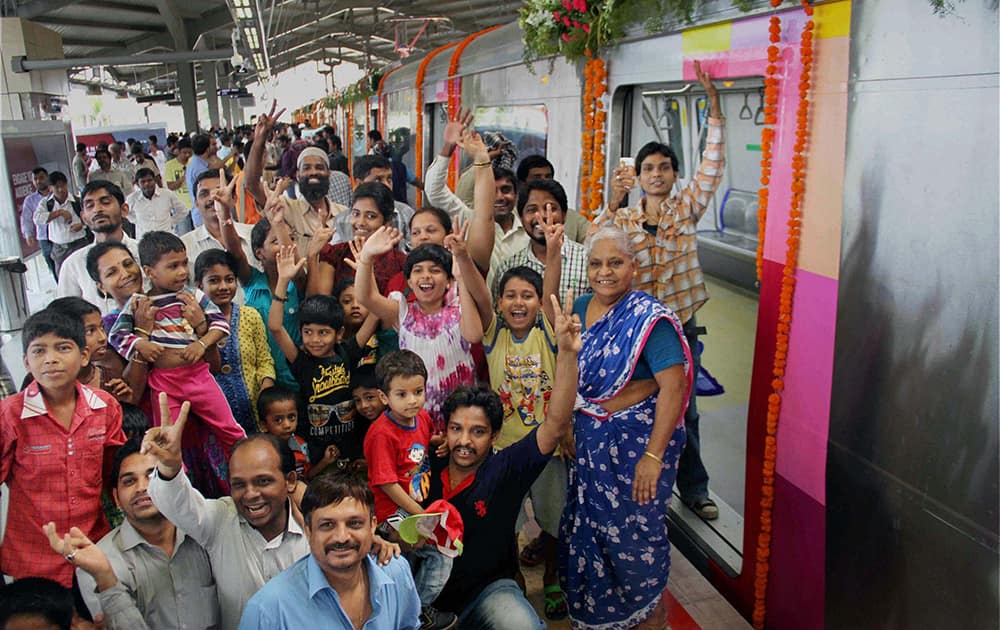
{"points": [[600, 88], [767, 137], [784, 323], [587, 137], [592, 169]]}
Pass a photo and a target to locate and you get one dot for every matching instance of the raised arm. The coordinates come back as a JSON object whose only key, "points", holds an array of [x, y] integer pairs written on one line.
{"points": [[706, 181], [381, 241], [171, 491], [559, 416], [438, 194], [224, 203], [319, 274], [255, 161], [95, 574], [481, 230], [473, 295], [555, 233], [288, 268]]}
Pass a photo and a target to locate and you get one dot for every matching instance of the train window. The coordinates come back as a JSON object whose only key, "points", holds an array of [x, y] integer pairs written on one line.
{"points": [[527, 126], [677, 115], [401, 134], [661, 119]]}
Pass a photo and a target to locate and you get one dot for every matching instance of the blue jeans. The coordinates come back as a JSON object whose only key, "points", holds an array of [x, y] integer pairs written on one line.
{"points": [[501, 606], [46, 247], [692, 478], [431, 570]]}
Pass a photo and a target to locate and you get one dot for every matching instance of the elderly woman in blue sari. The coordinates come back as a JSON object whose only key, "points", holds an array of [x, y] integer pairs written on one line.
{"points": [[634, 383]]}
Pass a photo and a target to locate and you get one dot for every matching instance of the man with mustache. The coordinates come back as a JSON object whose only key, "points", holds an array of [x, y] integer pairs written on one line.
{"points": [[338, 582], [542, 202], [312, 209], [165, 576], [103, 209], [106, 171]]}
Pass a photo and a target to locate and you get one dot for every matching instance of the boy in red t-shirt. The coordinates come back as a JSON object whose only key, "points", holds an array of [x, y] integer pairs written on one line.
{"points": [[57, 441], [397, 450]]}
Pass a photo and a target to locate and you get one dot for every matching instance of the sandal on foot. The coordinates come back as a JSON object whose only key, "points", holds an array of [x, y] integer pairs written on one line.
{"points": [[531, 555], [555, 603], [705, 508]]}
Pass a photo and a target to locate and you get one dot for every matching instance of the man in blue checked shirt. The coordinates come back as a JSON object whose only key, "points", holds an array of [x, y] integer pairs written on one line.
{"points": [[338, 582]]}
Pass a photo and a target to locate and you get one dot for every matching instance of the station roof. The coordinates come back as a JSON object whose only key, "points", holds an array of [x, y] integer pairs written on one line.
{"points": [[274, 34]]}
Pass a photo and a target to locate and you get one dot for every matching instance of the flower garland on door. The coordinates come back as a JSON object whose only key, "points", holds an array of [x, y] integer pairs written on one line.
{"points": [[784, 322], [592, 170], [767, 134]]}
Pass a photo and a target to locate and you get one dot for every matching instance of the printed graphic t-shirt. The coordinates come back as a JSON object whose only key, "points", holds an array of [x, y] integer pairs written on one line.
{"points": [[398, 454], [326, 410]]}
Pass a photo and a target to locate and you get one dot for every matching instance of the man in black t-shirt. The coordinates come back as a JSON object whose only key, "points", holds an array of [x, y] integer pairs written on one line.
{"points": [[488, 488]]}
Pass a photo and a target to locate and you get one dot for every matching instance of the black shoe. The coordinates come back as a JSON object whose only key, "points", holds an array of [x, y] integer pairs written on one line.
{"points": [[433, 619], [705, 508]]}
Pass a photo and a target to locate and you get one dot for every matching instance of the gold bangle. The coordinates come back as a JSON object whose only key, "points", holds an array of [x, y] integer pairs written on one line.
{"points": [[141, 330], [648, 454], [137, 359], [482, 163], [202, 343]]}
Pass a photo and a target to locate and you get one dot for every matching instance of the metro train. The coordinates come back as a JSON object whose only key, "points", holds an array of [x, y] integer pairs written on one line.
{"points": [[886, 485]]}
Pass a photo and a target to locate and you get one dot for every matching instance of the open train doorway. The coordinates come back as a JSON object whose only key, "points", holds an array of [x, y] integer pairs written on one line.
{"points": [[676, 114]]}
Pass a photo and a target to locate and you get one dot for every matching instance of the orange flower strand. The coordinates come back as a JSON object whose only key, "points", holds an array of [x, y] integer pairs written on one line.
{"points": [[766, 137], [762, 566]]}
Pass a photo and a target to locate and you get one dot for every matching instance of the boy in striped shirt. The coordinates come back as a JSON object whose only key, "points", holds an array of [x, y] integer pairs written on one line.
{"points": [[186, 324]]}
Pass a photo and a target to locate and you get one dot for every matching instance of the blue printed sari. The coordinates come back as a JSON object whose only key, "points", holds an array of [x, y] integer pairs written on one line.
{"points": [[617, 557]]}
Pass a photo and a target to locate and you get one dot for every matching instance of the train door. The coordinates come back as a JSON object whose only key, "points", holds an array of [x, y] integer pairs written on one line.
{"points": [[676, 115]]}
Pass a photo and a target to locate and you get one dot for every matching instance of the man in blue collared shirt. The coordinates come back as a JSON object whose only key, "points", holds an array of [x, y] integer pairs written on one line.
{"points": [[338, 582]]}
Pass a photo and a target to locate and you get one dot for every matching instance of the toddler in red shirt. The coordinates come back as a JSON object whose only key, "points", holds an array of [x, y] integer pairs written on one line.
{"points": [[397, 448]]}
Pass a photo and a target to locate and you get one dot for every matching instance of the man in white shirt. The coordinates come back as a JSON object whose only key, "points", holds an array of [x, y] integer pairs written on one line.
{"points": [[103, 208], [209, 234], [60, 213], [153, 208], [158, 155], [251, 535], [509, 235]]}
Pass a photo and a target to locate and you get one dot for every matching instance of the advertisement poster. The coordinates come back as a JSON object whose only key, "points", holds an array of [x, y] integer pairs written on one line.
{"points": [[24, 154], [91, 137]]}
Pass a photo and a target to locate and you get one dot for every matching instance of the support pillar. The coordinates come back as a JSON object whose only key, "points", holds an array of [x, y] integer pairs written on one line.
{"points": [[189, 98], [227, 103], [211, 84]]}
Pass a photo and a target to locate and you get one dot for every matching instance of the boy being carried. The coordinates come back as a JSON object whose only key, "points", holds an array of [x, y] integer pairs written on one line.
{"points": [[397, 450], [185, 326]]}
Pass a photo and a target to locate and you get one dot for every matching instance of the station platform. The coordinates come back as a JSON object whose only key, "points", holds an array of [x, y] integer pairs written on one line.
{"points": [[693, 602]]}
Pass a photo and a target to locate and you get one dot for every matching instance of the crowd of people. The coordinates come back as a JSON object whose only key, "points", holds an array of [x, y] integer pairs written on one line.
{"points": [[265, 398]]}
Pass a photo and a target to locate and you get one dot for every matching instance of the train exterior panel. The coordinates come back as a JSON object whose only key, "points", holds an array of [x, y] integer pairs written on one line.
{"points": [[885, 508]]}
